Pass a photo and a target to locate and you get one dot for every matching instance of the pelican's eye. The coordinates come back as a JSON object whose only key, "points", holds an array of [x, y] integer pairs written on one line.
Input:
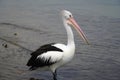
{"points": [[70, 16]]}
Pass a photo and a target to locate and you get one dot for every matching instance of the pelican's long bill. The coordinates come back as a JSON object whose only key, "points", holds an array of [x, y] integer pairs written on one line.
{"points": [[72, 22]]}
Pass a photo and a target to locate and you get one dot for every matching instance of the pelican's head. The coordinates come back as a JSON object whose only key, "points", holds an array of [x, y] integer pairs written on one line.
{"points": [[69, 20]]}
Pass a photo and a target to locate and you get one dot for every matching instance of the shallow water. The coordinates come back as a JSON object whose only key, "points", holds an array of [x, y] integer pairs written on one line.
{"points": [[26, 24]]}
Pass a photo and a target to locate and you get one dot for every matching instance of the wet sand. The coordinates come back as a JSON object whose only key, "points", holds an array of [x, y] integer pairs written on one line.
{"points": [[25, 27]]}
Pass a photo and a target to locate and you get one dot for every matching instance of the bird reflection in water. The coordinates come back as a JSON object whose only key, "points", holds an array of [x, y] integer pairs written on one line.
{"points": [[32, 78]]}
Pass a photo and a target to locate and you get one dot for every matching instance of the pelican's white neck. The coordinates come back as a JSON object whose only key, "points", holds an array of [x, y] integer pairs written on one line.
{"points": [[69, 34]]}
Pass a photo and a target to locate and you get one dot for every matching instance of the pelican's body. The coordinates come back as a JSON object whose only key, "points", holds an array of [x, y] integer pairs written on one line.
{"points": [[54, 55]]}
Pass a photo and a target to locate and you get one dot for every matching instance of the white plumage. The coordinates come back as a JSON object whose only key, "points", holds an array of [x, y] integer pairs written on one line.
{"points": [[54, 55]]}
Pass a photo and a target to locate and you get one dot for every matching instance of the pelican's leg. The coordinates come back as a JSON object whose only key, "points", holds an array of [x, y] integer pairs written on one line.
{"points": [[55, 75]]}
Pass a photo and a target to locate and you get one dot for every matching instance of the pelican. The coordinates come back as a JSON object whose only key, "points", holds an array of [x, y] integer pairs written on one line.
{"points": [[54, 55]]}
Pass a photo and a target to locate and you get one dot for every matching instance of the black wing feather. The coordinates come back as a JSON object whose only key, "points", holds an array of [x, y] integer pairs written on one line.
{"points": [[35, 62]]}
